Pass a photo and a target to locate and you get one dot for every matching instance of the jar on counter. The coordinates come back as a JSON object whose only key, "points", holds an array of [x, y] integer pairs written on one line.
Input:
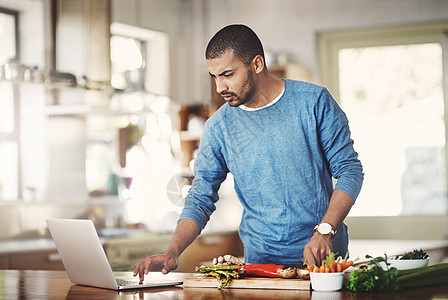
{"points": [[12, 70]]}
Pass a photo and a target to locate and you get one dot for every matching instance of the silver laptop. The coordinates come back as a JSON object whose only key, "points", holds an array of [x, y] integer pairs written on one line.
{"points": [[84, 258]]}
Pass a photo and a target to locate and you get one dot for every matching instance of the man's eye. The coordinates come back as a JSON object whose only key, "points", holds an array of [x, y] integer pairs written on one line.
{"points": [[228, 75]]}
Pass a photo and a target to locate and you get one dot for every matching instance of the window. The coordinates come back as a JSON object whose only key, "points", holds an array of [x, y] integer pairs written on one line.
{"points": [[139, 59], [127, 57], [9, 132], [393, 98], [390, 84], [8, 35]]}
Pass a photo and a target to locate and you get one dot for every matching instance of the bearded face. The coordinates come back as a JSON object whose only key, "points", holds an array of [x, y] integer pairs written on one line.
{"points": [[234, 79], [245, 94]]}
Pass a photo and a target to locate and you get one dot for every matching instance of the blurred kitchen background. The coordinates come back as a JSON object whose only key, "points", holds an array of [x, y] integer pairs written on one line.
{"points": [[102, 104]]}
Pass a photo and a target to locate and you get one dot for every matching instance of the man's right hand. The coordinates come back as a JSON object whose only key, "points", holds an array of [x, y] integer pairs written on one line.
{"points": [[158, 262], [185, 233]]}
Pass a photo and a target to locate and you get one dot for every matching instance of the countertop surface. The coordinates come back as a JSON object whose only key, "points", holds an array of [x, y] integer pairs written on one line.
{"points": [[56, 285], [29, 246], [18, 246]]}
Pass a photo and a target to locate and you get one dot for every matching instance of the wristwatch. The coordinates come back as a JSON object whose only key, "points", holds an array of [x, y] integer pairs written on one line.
{"points": [[324, 229]]}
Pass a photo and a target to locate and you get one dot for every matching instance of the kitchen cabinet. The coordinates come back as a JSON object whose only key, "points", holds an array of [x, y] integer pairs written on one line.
{"points": [[29, 254], [45, 260], [4, 262], [33, 260]]}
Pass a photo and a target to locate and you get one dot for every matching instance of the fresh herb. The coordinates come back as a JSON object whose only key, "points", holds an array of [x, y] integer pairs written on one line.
{"points": [[416, 254], [375, 278]]}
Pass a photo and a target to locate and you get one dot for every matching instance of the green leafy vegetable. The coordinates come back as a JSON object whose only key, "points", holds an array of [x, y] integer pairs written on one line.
{"points": [[416, 254]]}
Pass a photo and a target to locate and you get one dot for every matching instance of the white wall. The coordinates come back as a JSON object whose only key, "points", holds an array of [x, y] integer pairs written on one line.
{"points": [[284, 26], [291, 26]]}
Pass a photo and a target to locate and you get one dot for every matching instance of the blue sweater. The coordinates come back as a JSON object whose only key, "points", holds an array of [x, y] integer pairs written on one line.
{"points": [[282, 158]]}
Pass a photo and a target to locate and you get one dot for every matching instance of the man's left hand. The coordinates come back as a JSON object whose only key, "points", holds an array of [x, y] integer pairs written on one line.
{"points": [[317, 249]]}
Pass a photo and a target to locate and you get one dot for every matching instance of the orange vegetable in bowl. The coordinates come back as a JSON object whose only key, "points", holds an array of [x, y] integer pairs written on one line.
{"points": [[331, 264]]}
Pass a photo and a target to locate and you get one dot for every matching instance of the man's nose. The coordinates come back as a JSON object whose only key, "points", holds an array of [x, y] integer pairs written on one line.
{"points": [[220, 85]]}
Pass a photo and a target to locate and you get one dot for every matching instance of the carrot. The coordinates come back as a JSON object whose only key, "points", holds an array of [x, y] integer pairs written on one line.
{"points": [[322, 268], [348, 264], [338, 267], [331, 264], [332, 267], [310, 268], [344, 262]]}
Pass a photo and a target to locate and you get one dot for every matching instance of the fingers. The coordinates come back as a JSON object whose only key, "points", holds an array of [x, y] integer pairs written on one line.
{"points": [[142, 268], [317, 249], [310, 258], [154, 263], [139, 269]]}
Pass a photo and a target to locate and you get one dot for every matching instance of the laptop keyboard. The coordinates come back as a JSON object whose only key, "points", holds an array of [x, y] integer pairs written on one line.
{"points": [[122, 282]]}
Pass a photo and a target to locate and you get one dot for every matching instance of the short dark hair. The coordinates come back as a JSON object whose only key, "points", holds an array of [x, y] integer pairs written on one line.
{"points": [[241, 39]]}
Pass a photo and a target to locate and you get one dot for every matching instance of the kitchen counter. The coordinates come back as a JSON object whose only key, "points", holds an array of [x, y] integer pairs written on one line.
{"points": [[125, 251], [357, 247], [30, 284]]}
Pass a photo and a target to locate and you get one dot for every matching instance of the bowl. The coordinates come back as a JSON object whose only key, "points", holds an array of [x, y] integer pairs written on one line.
{"points": [[326, 282], [406, 264]]}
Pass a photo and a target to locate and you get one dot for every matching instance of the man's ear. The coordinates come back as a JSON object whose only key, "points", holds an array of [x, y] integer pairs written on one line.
{"points": [[258, 64]]}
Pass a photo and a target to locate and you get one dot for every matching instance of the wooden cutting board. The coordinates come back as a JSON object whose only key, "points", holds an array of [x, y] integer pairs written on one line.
{"points": [[199, 280]]}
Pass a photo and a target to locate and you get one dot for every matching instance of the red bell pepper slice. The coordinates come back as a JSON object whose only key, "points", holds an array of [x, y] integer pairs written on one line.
{"points": [[260, 270]]}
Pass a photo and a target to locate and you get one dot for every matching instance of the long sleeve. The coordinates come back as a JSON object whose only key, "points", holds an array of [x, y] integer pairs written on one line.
{"points": [[334, 134], [210, 171]]}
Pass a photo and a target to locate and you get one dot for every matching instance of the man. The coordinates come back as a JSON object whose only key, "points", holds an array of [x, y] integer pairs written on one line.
{"points": [[283, 141]]}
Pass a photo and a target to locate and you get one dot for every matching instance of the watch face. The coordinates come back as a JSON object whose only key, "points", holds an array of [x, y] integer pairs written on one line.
{"points": [[324, 228]]}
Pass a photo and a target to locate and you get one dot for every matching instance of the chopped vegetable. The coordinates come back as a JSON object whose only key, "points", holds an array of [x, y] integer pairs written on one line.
{"points": [[331, 264], [376, 279]]}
